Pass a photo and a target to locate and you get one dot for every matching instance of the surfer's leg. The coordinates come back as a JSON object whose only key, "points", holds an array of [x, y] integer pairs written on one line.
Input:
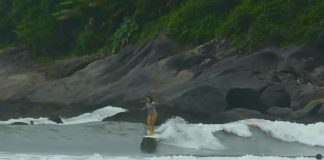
{"points": [[149, 124], [152, 123], [154, 117]]}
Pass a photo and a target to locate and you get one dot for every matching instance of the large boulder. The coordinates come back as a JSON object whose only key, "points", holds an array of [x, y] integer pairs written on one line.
{"points": [[301, 74], [131, 116], [238, 114], [279, 111], [301, 94], [243, 98], [304, 58], [275, 95], [312, 112], [16, 86], [204, 99], [55, 118]]}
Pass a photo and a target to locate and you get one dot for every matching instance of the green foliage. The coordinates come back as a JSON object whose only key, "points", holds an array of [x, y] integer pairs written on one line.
{"points": [[123, 34], [6, 36], [87, 42], [54, 28], [315, 36], [36, 28], [254, 24], [197, 21]]}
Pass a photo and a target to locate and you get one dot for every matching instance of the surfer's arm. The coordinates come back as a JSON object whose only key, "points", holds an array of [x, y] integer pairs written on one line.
{"points": [[143, 108]]}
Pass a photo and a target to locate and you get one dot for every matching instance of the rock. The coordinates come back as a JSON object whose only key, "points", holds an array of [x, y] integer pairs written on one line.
{"points": [[18, 76], [55, 118], [243, 98], [67, 67], [312, 112], [318, 74], [204, 99], [24, 108], [303, 64], [275, 95], [279, 111], [301, 95], [19, 123], [198, 83], [130, 116], [305, 58], [238, 114], [132, 74], [18, 85]]}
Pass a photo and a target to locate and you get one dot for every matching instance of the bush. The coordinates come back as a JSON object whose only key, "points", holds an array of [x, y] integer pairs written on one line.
{"points": [[37, 29], [197, 21], [57, 28], [123, 34], [315, 36]]}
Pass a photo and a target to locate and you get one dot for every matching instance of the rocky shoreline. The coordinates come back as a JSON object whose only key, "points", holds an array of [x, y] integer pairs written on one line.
{"points": [[211, 83]]}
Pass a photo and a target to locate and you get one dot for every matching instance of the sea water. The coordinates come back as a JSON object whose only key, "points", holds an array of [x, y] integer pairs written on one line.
{"points": [[85, 137]]}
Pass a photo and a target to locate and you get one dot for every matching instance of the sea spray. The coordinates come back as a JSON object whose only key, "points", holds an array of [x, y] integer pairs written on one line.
{"points": [[178, 132], [95, 116]]}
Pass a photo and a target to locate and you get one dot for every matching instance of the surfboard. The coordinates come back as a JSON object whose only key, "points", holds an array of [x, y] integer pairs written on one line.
{"points": [[149, 144], [155, 136]]}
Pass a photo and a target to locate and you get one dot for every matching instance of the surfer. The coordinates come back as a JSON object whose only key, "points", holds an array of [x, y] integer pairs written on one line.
{"points": [[152, 114]]}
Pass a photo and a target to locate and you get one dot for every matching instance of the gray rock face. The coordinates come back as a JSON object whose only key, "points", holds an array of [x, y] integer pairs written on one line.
{"points": [[243, 98], [239, 114], [275, 95], [65, 68], [279, 111], [198, 84], [203, 99], [55, 118], [18, 75], [310, 113]]}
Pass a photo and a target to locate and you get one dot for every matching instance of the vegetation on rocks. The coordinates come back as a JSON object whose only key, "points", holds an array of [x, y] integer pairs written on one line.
{"points": [[52, 28]]}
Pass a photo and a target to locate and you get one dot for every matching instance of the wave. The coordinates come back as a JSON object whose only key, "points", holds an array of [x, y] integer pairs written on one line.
{"points": [[41, 120], [178, 132], [95, 116], [175, 137], [10, 156]]}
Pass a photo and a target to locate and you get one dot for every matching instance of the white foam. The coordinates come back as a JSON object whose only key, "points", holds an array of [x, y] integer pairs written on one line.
{"points": [[179, 133], [10, 156], [41, 120], [311, 134], [200, 136], [95, 116]]}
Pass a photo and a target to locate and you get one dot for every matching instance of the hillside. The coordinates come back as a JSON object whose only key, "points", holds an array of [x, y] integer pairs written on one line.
{"points": [[51, 28]]}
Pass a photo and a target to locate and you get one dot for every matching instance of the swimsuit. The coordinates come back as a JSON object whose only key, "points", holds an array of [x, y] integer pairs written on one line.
{"points": [[152, 114]]}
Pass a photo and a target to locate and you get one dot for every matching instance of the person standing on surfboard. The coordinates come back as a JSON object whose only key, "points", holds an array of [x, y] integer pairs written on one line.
{"points": [[152, 114]]}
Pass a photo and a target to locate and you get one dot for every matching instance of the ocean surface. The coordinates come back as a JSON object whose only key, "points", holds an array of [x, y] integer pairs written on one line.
{"points": [[85, 137]]}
